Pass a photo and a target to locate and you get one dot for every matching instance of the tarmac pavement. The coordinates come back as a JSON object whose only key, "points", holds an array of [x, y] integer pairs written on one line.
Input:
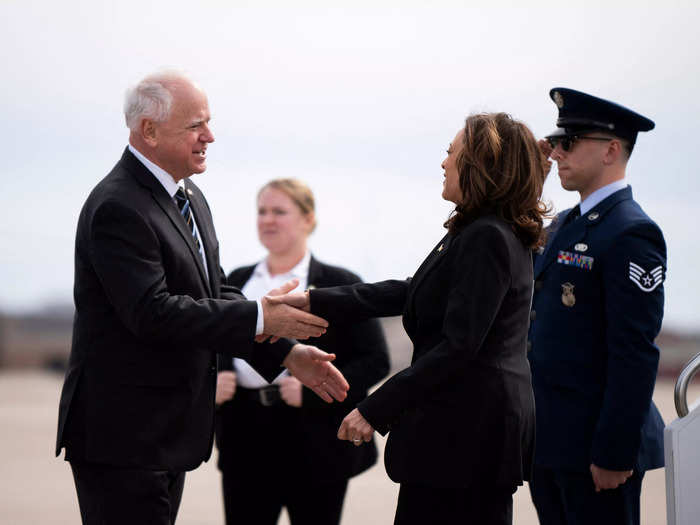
{"points": [[36, 487]]}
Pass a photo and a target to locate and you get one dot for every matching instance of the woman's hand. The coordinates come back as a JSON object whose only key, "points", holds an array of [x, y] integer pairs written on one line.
{"points": [[225, 386], [274, 299], [355, 428], [291, 391], [298, 300]]}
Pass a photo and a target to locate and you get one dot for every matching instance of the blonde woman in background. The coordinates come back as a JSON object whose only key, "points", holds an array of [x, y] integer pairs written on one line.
{"points": [[277, 444]]}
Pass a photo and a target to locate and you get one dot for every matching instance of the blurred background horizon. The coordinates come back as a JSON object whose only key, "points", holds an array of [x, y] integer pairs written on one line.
{"points": [[360, 102]]}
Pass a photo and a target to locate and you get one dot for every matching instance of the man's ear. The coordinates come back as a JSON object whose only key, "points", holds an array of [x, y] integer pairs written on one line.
{"points": [[149, 132]]}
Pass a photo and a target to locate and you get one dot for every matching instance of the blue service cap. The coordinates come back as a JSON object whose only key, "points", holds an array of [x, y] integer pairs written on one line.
{"points": [[580, 112]]}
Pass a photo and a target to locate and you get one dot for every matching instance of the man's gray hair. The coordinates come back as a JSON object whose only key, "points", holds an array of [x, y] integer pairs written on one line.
{"points": [[151, 98]]}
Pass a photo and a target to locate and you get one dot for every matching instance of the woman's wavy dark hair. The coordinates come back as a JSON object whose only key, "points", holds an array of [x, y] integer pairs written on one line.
{"points": [[501, 171]]}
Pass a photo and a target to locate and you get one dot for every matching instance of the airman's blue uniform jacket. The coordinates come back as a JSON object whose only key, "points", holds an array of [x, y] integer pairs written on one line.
{"points": [[597, 308]]}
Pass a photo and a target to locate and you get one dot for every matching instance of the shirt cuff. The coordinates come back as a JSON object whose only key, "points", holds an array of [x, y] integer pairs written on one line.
{"points": [[260, 323]]}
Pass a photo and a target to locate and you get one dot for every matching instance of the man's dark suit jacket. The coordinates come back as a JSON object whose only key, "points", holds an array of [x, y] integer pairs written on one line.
{"points": [[139, 390], [463, 413], [315, 452]]}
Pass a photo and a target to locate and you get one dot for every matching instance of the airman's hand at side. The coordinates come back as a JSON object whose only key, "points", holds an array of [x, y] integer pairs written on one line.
{"points": [[608, 479]]}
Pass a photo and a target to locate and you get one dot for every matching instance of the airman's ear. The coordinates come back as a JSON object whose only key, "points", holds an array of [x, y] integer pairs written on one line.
{"points": [[613, 153]]}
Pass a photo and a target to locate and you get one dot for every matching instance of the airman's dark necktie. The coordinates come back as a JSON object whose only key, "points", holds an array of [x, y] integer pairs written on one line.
{"points": [[183, 203], [574, 214]]}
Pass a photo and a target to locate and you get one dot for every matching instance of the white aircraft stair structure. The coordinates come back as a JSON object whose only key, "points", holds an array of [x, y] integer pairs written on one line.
{"points": [[682, 453]]}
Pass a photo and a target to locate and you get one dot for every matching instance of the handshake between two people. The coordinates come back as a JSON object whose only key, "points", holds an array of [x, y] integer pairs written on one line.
{"points": [[287, 314]]}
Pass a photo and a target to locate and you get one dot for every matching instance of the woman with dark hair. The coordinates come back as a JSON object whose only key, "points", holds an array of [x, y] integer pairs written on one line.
{"points": [[277, 444], [461, 416]]}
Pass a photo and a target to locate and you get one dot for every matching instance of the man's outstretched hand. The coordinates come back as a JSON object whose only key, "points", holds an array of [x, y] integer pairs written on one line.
{"points": [[283, 315], [313, 368]]}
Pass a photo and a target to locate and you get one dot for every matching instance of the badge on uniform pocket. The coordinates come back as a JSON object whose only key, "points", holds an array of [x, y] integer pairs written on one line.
{"points": [[567, 295], [575, 259]]}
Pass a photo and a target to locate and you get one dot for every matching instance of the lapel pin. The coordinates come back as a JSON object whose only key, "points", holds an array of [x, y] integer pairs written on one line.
{"points": [[593, 216], [189, 191], [440, 248], [567, 295], [581, 247]]}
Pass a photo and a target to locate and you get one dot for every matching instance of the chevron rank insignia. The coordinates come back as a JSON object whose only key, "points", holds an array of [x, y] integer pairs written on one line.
{"points": [[646, 280]]}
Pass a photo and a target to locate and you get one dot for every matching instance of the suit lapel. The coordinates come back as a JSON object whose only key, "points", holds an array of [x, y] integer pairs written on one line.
{"points": [[166, 203], [430, 262], [315, 278]]}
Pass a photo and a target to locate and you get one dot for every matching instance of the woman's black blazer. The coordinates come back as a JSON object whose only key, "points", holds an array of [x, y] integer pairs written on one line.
{"points": [[362, 357], [463, 413]]}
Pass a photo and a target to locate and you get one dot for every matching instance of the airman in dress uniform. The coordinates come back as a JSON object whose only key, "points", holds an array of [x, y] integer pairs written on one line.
{"points": [[597, 308]]}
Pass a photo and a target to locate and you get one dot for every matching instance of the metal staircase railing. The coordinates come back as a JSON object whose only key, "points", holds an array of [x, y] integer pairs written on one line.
{"points": [[680, 394]]}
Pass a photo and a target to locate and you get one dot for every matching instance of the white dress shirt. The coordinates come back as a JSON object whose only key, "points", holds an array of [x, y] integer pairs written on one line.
{"points": [[258, 285], [600, 194], [168, 182]]}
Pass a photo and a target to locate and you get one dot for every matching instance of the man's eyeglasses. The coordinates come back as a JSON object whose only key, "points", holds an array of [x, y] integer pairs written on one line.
{"points": [[567, 141]]}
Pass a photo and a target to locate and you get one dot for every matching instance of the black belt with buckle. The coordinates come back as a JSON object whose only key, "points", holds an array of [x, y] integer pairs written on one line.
{"points": [[267, 396]]}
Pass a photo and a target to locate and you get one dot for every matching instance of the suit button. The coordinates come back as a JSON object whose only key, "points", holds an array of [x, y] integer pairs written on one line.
{"points": [[538, 285], [533, 315], [529, 346]]}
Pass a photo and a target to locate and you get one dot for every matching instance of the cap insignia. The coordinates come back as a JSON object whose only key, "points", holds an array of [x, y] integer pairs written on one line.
{"points": [[558, 99]]}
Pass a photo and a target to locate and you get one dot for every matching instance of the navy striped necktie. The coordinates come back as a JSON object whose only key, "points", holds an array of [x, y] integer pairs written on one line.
{"points": [[183, 203]]}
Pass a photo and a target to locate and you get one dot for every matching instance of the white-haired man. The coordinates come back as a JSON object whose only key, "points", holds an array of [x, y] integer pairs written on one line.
{"points": [[152, 311]]}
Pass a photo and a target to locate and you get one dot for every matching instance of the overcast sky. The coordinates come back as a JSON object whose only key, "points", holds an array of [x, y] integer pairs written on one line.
{"points": [[359, 102]]}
